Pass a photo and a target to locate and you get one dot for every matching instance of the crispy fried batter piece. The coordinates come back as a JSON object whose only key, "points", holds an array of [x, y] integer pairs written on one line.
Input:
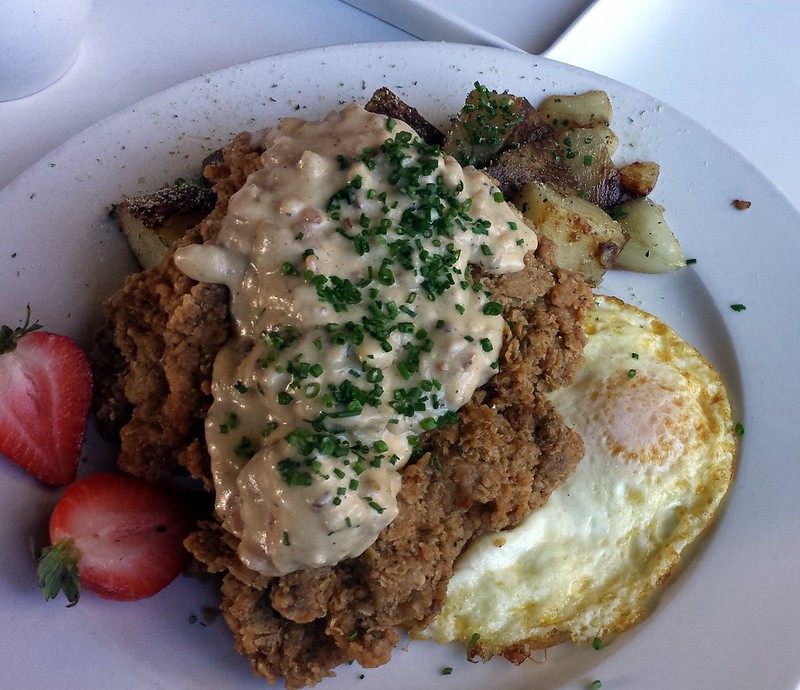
{"points": [[487, 471], [152, 359]]}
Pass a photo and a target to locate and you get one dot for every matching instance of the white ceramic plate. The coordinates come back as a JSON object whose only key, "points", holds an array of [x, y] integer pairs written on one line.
{"points": [[730, 619]]}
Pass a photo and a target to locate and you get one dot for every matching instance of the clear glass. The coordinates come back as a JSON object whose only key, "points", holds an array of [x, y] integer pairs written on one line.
{"points": [[39, 42]]}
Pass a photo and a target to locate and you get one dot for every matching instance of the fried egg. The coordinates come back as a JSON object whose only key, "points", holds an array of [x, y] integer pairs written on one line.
{"points": [[659, 458]]}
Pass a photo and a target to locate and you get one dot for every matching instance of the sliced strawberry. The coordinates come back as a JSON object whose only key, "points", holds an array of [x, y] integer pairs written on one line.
{"points": [[125, 534], [45, 391]]}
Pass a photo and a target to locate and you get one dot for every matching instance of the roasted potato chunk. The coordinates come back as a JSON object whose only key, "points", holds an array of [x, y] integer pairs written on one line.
{"points": [[535, 161], [608, 135], [587, 156], [652, 246], [579, 110], [489, 123], [639, 178], [152, 222], [587, 239]]}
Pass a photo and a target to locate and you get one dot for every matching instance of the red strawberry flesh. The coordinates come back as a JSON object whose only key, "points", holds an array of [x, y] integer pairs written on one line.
{"points": [[45, 392], [129, 533]]}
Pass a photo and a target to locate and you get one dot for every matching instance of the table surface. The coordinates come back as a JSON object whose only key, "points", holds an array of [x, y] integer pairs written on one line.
{"points": [[134, 49]]}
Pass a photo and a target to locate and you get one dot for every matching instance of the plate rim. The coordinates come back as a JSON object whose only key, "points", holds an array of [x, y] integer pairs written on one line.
{"points": [[17, 185]]}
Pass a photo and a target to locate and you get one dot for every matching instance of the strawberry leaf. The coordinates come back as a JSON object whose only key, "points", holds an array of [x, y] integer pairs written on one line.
{"points": [[58, 571], [9, 336]]}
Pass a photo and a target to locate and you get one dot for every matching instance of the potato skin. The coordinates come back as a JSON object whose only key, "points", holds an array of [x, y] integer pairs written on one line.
{"points": [[536, 161], [490, 123], [152, 222], [386, 102]]}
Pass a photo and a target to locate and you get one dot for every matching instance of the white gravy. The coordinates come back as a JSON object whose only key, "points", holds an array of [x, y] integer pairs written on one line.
{"points": [[356, 329]]}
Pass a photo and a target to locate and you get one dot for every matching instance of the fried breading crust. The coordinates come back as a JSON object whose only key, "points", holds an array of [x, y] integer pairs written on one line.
{"points": [[485, 472], [153, 356]]}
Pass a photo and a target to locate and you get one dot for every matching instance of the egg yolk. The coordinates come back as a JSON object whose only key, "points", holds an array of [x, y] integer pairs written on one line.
{"points": [[641, 419]]}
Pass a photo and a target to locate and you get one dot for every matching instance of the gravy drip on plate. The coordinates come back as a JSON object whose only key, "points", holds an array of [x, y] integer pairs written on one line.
{"points": [[357, 328]]}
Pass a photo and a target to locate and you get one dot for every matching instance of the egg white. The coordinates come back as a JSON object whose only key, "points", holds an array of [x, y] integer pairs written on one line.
{"points": [[659, 458]]}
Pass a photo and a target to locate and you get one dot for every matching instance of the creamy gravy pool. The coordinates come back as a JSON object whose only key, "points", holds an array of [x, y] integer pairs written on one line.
{"points": [[356, 328]]}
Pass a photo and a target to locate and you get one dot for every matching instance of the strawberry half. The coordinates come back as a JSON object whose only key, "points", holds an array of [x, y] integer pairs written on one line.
{"points": [[45, 391], [116, 535]]}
